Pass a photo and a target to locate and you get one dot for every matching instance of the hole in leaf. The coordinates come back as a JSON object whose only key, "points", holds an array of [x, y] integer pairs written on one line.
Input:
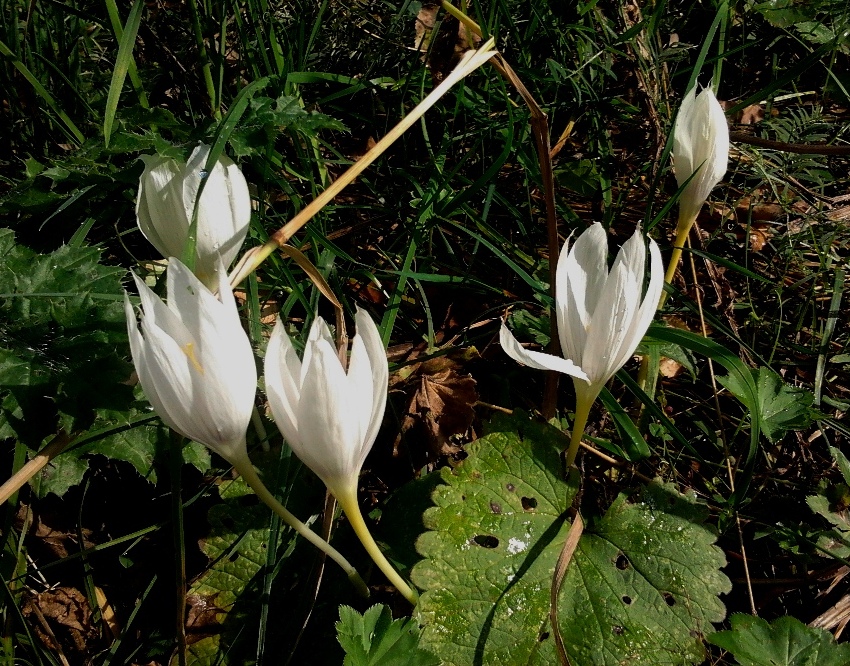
{"points": [[529, 503], [627, 600], [228, 523], [618, 630], [622, 562], [463, 498], [510, 487], [671, 601], [234, 556], [495, 507], [486, 541], [542, 637]]}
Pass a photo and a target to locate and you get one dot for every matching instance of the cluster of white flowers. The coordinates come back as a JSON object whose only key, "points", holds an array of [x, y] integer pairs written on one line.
{"points": [[195, 361]]}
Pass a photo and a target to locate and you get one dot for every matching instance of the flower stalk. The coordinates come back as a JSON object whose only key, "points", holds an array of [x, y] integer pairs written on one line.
{"points": [[351, 508], [246, 470]]}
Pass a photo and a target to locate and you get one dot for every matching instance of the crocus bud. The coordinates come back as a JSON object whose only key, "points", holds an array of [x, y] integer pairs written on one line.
{"points": [[194, 360], [701, 145], [166, 201], [601, 315], [329, 417]]}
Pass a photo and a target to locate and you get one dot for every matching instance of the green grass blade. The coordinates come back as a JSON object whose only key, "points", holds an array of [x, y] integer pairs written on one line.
{"points": [[742, 373], [122, 64], [69, 126]]}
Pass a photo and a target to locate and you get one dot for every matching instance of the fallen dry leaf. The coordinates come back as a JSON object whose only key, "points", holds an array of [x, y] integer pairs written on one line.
{"points": [[62, 619]]}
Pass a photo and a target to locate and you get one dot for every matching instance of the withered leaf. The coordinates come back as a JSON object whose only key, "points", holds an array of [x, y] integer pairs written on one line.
{"points": [[443, 405], [65, 613]]}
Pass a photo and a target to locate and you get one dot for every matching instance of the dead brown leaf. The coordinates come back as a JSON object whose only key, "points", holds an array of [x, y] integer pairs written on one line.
{"points": [[62, 619], [441, 406]]}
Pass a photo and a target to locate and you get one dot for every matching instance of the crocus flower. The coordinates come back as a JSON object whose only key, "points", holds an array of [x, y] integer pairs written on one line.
{"points": [[166, 201], [601, 315], [194, 360], [329, 417], [196, 367], [701, 145]]}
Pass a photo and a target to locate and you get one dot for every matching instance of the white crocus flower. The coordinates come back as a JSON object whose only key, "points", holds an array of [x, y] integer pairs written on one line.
{"points": [[196, 366], [166, 201], [331, 417], [600, 314], [194, 360], [701, 146]]}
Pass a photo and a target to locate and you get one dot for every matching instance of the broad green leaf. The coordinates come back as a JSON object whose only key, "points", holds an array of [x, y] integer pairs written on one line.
{"points": [[784, 642], [375, 639], [641, 589], [781, 407]]}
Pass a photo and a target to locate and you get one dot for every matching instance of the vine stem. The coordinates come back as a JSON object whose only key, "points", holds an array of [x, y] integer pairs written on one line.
{"points": [[348, 501], [249, 474]]}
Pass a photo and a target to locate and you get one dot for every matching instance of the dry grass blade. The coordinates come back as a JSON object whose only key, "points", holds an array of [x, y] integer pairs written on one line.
{"points": [[34, 466], [564, 559]]}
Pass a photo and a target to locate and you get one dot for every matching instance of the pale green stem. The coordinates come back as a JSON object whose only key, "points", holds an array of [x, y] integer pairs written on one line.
{"points": [[249, 474], [584, 401], [349, 505], [682, 231]]}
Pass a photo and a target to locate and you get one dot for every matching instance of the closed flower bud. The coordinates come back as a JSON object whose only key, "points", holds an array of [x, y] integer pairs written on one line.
{"points": [[701, 146], [166, 201]]}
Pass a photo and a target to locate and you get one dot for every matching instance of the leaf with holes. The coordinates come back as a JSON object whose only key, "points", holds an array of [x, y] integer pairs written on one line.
{"points": [[784, 642], [641, 588]]}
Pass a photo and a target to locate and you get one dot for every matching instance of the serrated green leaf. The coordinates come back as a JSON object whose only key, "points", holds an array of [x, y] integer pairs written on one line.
{"points": [[375, 639], [59, 475], [784, 642], [782, 407], [62, 325], [641, 589]]}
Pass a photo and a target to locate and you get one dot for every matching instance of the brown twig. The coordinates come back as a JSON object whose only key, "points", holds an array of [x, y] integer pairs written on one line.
{"points": [[799, 148]]}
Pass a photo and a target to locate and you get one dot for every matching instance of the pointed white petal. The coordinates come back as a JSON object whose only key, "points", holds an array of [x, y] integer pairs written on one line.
{"points": [[159, 209], [580, 278], [362, 399], [374, 347], [536, 359], [328, 426], [283, 384], [615, 311], [648, 308]]}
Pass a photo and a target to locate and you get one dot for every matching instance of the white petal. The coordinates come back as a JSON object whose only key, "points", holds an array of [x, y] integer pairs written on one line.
{"points": [[701, 142], [283, 384], [224, 210], [362, 398], [318, 331], [374, 348], [580, 278], [327, 417], [615, 311], [648, 308], [159, 207], [535, 359]]}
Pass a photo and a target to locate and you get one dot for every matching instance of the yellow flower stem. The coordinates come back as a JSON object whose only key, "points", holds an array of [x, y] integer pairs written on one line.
{"points": [[249, 474], [348, 502], [583, 404], [682, 231]]}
